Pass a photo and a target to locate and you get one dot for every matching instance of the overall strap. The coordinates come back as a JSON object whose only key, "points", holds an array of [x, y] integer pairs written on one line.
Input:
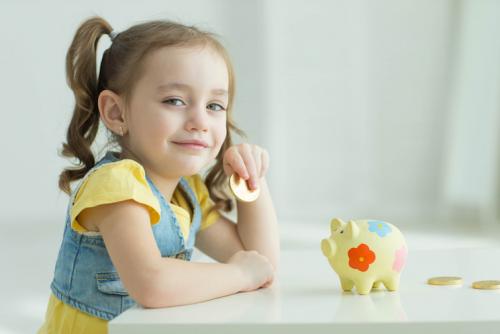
{"points": [[196, 220], [169, 216]]}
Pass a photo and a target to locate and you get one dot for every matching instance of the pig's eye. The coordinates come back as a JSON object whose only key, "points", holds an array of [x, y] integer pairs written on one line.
{"points": [[342, 231]]}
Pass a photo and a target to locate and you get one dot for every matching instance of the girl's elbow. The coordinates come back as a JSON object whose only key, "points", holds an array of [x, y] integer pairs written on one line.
{"points": [[153, 293], [151, 302], [151, 297]]}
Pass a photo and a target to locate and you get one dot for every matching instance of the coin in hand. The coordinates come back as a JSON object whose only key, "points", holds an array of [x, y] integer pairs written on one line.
{"points": [[240, 189]]}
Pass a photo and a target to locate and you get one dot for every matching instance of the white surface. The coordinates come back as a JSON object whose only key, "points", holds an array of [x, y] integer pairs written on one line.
{"points": [[307, 298], [30, 259]]}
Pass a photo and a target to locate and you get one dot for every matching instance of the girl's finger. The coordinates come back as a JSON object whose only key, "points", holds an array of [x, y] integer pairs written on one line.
{"points": [[268, 283], [265, 163], [234, 163], [246, 154], [257, 156], [225, 162], [228, 170]]}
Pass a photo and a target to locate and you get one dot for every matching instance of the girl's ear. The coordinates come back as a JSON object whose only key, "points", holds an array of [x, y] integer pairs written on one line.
{"points": [[112, 112]]}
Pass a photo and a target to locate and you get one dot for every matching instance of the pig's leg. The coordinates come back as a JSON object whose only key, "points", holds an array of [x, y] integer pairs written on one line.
{"points": [[364, 286], [392, 283], [346, 284]]}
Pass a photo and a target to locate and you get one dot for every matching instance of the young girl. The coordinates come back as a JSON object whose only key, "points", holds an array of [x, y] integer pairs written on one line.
{"points": [[165, 93]]}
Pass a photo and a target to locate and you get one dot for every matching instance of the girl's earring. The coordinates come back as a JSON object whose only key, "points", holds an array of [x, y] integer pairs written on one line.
{"points": [[121, 131]]}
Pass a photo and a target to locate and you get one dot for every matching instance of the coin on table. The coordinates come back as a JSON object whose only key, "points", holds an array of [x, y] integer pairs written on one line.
{"points": [[240, 189], [445, 280], [486, 285]]}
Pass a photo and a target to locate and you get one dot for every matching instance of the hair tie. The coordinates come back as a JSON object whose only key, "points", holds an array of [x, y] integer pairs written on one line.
{"points": [[113, 35]]}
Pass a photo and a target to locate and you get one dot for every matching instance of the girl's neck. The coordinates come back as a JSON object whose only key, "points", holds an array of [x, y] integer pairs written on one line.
{"points": [[165, 185]]}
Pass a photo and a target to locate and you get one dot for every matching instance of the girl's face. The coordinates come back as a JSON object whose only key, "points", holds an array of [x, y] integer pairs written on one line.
{"points": [[176, 120]]}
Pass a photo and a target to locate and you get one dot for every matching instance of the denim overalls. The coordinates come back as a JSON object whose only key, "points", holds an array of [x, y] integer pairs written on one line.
{"points": [[85, 277]]}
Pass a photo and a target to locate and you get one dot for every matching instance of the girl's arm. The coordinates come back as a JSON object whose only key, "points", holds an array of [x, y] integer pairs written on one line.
{"points": [[154, 281], [257, 226]]}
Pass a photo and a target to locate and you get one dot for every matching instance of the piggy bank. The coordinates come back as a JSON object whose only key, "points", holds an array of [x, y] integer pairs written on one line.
{"points": [[365, 254]]}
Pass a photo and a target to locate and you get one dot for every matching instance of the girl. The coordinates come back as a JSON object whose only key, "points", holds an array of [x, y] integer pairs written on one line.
{"points": [[165, 93]]}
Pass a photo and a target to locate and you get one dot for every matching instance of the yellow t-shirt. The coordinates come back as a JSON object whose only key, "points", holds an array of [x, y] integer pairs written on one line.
{"points": [[126, 180], [114, 182]]}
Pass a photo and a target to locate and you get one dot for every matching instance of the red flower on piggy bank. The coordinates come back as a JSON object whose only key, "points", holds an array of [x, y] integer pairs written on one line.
{"points": [[361, 257]]}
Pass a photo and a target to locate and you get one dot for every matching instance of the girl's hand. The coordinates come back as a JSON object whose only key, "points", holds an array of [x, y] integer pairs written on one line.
{"points": [[257, 271], [249, 161]]}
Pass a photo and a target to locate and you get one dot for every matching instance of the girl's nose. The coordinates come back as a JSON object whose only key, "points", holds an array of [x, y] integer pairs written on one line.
{"points": [[197, 119]]}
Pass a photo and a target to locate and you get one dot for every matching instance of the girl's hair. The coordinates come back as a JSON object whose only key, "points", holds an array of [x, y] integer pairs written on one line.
{"points": [[120, 69]]}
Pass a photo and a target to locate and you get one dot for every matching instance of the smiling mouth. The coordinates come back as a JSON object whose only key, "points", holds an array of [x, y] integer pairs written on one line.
{"points": [[193, 146]]}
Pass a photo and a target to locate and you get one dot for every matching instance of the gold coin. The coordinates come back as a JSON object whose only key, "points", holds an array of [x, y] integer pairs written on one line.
{"points": [[486, 285], [444, 280], [240, 189]]}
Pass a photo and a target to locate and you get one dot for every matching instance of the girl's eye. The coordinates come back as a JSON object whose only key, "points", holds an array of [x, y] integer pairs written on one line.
{"points": [[215, 107], [175, 102]]}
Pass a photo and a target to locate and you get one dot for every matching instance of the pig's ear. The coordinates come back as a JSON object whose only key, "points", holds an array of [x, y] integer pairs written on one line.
{"points": [[352, 229], [336, 224]]}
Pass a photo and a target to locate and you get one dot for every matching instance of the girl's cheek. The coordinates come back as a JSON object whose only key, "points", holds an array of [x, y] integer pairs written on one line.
{"points": [[221, 136], [161, 125]]}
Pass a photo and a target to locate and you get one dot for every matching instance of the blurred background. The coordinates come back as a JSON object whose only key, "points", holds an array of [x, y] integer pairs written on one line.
{"points": [[369, 109]]}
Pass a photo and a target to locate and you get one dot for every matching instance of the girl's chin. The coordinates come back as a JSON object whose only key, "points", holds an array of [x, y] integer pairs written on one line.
{"points": [[192, 168], [185, 165]]}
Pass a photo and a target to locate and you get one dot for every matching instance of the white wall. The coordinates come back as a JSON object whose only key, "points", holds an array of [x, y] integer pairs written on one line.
{"points": [[355, 100], [365, 107], [470, 176]]}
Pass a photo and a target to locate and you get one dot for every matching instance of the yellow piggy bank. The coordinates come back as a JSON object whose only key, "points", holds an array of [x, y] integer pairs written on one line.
{"points": [[365, 254]]}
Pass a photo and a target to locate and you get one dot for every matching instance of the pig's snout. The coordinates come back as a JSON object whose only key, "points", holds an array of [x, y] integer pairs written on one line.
{"points": [[328, 247]]}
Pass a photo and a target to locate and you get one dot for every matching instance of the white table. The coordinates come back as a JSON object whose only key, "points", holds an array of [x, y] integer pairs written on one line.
{"points": [[307, 299]]}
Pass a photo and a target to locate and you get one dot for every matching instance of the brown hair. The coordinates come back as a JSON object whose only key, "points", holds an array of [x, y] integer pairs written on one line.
{"points": [[119, 71]]}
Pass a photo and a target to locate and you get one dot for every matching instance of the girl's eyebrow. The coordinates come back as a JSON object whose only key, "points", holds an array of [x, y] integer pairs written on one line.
{"points": [[173, 85], [220, 92], [182, 86]]}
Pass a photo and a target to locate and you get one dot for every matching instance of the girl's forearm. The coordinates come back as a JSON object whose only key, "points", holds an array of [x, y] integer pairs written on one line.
{"points": [[258, 225], [178, 282]]}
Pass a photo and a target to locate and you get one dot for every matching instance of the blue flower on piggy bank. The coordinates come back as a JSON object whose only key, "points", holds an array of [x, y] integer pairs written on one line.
{"points": [[379, 227]]}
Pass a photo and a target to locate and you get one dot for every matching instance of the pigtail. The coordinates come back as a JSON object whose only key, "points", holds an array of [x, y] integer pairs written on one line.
{"points": [[216, 179], [82, 79]]}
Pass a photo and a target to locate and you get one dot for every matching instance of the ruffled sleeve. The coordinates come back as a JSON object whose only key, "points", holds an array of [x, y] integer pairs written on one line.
{"points": [[115, 182]]}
